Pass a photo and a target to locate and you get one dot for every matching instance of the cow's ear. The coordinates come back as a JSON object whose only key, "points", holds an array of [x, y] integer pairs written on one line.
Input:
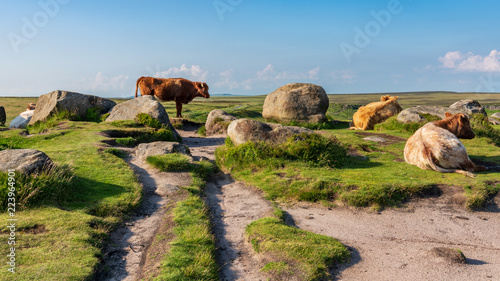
{"points": [[447, 114], [396, 97]]}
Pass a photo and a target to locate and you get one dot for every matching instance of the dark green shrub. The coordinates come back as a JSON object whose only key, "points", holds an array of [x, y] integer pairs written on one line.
{"points": [[129, 142], [314, 149], [126, 124], [159, 135], [93, 114], [147, 120], [116, 152], [483, 129], [173, 162]]}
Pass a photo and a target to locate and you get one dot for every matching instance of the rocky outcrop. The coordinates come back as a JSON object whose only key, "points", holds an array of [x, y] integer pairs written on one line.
{"points": [[217, 122], [468, 106], [145, 104], [414, 114], [160, 147], [26, 161], [22, 120], [242, 130], [76, 104], [300, 102]]}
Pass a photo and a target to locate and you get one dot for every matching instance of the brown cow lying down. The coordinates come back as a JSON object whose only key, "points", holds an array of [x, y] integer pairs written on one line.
{"points": [[436, 146], [180, 90], [376, 112]]}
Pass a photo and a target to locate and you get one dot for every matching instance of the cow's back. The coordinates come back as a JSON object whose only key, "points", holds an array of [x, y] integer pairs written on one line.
{"points": [[373, 113], [433, 143]]}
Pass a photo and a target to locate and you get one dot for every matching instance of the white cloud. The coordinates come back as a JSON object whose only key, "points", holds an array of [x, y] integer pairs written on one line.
{"points": [[313, 73], [346, 76], [471, 62], [266, 77], [270, 74], [227, 80], [194, 72], [103, 83], [267, 73]]}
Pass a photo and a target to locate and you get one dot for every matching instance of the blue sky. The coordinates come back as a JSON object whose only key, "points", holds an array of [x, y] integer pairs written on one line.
{"points": [[249, 47]]}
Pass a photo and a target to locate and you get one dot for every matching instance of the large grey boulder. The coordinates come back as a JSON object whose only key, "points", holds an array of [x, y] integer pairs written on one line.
{"points": [[160, 147], [242, 130], [145, 104], [75, 103], [22, 120], [469, 107], [3, 116], [26, 161], [300, 102], [217, 122]]}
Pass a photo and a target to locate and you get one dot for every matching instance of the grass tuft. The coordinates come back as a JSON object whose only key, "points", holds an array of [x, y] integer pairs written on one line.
{"points": [[46, 187], [192, 254], [173, 162], [147, 120], [294, 253]]}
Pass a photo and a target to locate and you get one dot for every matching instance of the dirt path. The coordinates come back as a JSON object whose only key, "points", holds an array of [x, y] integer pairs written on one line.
{"points": [[233, 206], [397, 244], [125, 255]]}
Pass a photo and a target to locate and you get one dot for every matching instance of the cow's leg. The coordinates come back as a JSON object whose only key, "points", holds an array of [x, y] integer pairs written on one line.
{"points": [[178, 105]]}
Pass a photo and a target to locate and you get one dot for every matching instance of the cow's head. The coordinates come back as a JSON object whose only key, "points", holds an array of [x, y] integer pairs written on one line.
{"points": [[31, 106], [393, 101], [202, 88], [459, 125]]}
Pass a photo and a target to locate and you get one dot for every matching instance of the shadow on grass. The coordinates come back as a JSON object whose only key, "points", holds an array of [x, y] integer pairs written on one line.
{"points": [[336, 271], [90, 195], [492, 163]]}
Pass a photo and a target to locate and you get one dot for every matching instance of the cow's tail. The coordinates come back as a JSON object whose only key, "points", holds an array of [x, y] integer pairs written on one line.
{"points": [[137, 86], [435, 167]]}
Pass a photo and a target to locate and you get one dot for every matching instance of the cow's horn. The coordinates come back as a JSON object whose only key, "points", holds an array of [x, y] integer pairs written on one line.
{"points": [[202, 85]]}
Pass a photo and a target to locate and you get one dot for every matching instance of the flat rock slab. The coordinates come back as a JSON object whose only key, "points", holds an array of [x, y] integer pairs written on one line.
{"points": [[375, 139]]}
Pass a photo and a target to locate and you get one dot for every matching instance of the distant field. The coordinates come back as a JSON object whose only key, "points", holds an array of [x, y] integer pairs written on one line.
{"points": [[199, 107], [419, 98]]}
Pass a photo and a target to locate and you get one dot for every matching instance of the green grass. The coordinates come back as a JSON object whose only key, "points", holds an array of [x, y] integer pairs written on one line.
{"points": [[192, 253], [49, 186], [381, 180], [294, 253], [146, 120], [81, 212], [312, 149], [174, 162]]}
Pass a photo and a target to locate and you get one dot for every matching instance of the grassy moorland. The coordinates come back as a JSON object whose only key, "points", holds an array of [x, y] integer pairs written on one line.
{"points": [[64, 215], [61, 235]]}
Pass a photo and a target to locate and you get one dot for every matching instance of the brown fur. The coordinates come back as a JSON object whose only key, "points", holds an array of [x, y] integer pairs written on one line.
{"points": [[376, 112], [436, 146], [180, 90], [31, 106]]}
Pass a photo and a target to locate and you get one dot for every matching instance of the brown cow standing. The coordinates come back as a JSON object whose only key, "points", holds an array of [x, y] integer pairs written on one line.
{"points": [[180, 90], [436, 146], [376, 112]]}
